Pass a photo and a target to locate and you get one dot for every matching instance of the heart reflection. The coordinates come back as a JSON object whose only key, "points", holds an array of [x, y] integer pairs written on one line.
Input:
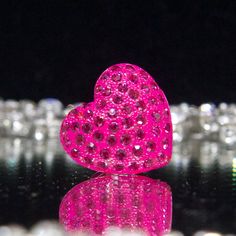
{"points": [[118, 205]]}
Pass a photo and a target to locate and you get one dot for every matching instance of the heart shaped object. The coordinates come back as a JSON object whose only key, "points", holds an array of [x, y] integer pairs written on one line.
{"points": [[126, 129], [124, 203]]}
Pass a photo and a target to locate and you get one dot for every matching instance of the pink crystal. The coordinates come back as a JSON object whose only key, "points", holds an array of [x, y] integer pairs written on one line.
{"points": [[129, 110], [134, 203]]}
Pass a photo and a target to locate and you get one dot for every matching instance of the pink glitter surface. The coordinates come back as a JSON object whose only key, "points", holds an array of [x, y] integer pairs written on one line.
{"points": [[129, 202], [126, 129]]}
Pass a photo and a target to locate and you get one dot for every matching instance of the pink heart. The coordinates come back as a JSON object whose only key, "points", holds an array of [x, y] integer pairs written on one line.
{"points": [[127, 129]]}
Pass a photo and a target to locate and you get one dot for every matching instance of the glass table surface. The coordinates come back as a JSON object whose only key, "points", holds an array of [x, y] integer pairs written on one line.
{"points": [[34, 178]]}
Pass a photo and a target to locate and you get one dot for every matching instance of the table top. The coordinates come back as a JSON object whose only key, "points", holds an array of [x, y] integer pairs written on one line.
{"points": [[34, 178]]}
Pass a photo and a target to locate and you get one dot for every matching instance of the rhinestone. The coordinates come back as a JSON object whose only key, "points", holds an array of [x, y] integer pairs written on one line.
{"points": [[152, 101], [133, 94], [140, 120], [123, 88], [80, 139], [125, 139], [117, 99], [65, 127], [111, 140], [91, 147], [114, 68], [98, 89], [101, 104], [86, 128], [133, 78], [98, 136], [140, 134], [166, 113], [113, 127], [165, 144], [156, 130], [88, 160], [151, 146], [116, 77], [120, 154], [167, 128], [127, 109], [74, 152], [141, 105], [160, 98], [144, 75], [106, 91], [75, 126], [145, 88], [112, 112], [147, 163], [154, 85], [127, 123], [129, 67], [74, 112], [161, 155], [99, 121], [67, 141], [133, 166], [104, 153], [105, 76], [101, 164], [137, 150], [119, 167], [88, 114], [156, 116]]}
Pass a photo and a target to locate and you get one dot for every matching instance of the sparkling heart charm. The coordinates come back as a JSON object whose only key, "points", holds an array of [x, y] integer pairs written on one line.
{"points": [[126, 129]]}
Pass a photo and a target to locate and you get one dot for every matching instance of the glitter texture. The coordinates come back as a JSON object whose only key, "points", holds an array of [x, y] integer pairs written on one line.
{"points": [[134, 203], [129, 113]]}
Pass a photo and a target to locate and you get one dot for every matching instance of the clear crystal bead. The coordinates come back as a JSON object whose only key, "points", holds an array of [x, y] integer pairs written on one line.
{"points": [[227, 134], [208, 118], [50, 107]]}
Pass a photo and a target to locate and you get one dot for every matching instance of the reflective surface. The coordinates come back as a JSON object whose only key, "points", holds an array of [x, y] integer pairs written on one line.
{"points": [[34, 178]]}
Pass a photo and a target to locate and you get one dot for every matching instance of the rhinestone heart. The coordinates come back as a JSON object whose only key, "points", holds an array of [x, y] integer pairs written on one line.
{"points": [[126, 129]]}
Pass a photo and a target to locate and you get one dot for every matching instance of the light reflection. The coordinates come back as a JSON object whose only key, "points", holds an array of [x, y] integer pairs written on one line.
{"points": [[118, 205]]}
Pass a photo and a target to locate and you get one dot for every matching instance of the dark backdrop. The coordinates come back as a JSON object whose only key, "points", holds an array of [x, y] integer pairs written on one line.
{"points": [[58, 48]]}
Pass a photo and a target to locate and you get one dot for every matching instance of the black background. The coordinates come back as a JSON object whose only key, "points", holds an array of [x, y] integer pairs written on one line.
{"points": [[58, 48]]}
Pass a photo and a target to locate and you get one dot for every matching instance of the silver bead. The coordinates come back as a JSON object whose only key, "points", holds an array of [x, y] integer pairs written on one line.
{"points": [[39, 130], [28, 108], [16, 125], [174, 233], [206, 233], [11, 105], [47, 228], [227, 134], [208, 119], [12, 230], [50, 107]]}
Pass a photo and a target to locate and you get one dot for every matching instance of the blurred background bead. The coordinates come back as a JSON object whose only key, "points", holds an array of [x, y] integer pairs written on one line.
{"points": [[227, 134], [40, 132], [47, 228], [16, 125], [28, 108], [50, 107], [11, 105], [207, 233], [12, 230], [174, 233], [208, 118]]}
